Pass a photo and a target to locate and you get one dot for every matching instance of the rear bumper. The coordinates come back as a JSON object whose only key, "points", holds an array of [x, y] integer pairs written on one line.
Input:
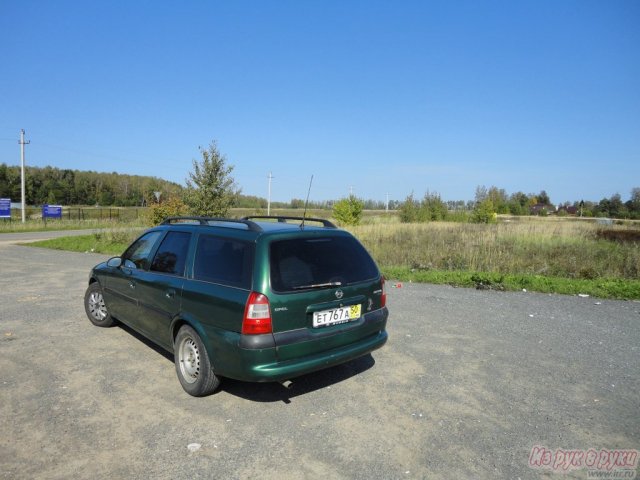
{"points": [[283, 356], [288, 369]]}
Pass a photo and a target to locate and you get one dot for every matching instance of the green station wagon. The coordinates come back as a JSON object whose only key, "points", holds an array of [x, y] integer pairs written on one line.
{"points": [[257, 299]]}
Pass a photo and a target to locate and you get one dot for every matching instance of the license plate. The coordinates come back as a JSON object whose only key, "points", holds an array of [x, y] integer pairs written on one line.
{"points": [[336, 315]]}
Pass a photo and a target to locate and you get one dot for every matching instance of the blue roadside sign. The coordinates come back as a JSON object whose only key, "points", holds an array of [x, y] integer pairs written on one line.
{"points": [[52, 211], [5, 208]]}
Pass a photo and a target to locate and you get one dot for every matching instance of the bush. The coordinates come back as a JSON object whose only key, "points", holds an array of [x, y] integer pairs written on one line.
{"points": [[484, 213], [348, 211], [410, 210], [431, 208], [173, 207]]}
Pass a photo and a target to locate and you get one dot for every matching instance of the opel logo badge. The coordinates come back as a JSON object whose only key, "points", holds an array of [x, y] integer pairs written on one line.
{"points": [[339, 294]]}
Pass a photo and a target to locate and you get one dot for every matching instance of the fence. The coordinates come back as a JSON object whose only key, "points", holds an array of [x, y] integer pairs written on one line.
{"points": [[116, 214]]}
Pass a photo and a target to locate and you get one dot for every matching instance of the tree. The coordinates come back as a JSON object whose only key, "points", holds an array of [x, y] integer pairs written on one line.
{"points": [[635, 198], [519, 204], [484, 212], [348, 211], [633, 204], [616, 207], [211, 190], [543, 198], [433, 208], [498, 197], [430, 208], [410, 210], [481, 193]]}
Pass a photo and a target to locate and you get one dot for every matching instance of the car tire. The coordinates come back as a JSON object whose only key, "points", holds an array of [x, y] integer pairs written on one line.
{"points": [[95, 307], [192, 364]]}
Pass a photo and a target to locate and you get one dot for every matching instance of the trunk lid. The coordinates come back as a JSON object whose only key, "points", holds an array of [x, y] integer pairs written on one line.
{"points": [[321, 288]]}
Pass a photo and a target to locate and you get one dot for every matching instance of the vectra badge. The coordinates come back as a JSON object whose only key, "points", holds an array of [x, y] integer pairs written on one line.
{"points": [[339, 294]]}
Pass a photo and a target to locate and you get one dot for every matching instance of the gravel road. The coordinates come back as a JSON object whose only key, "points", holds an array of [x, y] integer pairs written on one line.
{"points": [[468, 383]]}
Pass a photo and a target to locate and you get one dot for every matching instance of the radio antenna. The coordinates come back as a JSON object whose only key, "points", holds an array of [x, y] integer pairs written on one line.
{"points": [[304, 215]]}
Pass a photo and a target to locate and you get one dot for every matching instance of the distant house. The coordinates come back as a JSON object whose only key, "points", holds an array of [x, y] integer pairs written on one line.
{"points": [[569, 210], [539, 207]]}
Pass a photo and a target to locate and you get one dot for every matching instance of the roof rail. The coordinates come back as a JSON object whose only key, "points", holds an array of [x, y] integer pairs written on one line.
{"points": [[210, 221], [283, 219]]}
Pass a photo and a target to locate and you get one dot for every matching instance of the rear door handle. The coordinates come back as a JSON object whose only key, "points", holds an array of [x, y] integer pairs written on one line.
{"points": [[170, 293], [132, 285]]}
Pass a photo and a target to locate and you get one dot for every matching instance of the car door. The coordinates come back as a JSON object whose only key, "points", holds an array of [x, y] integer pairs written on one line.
{"points": [[159, 289], [120, 288]]}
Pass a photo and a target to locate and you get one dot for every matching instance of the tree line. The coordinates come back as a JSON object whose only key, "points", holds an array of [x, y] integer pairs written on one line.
{"points": [[51, 185], [489, 202], [75, 187], [520, 203]]}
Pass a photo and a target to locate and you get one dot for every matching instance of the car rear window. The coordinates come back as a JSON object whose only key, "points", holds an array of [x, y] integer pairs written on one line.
{"points": [[223, 260], [303, 263]]}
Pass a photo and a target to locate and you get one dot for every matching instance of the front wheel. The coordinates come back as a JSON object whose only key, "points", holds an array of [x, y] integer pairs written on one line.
{"points": [[95, 307], [192, 364]]}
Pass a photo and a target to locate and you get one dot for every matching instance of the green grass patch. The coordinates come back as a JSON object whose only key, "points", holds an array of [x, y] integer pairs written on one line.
{"points": [[61, 225], [108, 242], [602, 288]]}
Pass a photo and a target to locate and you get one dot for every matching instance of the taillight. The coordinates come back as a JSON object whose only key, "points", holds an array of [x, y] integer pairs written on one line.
{"points": [[257, 315], [383, 297]]}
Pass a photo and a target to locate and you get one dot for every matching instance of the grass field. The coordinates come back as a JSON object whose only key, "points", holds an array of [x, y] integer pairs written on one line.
{"points": [[541, 255], [556, 255], [560, 249]]}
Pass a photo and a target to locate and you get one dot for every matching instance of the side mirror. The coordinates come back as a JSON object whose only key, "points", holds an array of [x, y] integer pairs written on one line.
{"points": [[114, 262]]}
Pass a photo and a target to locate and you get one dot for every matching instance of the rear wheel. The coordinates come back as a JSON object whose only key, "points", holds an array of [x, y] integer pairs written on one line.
{"points": [[95, 307], [192, 364]]}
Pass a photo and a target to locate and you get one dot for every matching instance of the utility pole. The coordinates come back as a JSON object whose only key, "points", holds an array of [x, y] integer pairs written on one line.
{"points": [[269, 196], [22, 144], [387, 207], [350, 190]]}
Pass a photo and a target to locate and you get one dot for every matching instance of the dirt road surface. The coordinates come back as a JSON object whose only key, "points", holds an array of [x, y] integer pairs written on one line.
{"points": [[468, 383]]}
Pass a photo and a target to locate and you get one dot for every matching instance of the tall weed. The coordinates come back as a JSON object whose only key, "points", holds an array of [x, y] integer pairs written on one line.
{"points": [[559, 249]]}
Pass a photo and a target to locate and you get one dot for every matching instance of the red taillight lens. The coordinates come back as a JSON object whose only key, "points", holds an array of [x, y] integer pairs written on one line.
{"points": [[257, 315], [383, 298]]}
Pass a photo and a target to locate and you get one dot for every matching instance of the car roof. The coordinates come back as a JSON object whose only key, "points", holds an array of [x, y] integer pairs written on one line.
{"points": [[255, 224]]}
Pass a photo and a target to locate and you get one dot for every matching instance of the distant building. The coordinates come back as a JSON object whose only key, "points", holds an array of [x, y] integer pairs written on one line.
{"points": [[539, 207], [569, 210]]}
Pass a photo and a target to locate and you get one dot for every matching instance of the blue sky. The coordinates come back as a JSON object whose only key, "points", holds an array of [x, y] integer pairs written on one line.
{"points": [[374, 97]]}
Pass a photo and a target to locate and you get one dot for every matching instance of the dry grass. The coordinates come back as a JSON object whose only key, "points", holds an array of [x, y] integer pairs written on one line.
{"points": [[567, 249]]}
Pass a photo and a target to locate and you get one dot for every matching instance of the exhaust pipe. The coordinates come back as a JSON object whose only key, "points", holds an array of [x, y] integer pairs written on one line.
{"points": [[286, 384]]}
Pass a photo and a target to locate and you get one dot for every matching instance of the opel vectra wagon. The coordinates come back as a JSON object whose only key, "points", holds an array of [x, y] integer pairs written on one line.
{"points": [[257, 299]]}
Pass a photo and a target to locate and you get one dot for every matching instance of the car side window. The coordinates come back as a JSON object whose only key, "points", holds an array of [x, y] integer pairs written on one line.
{"points": [[223, 260], [171, 256], [137, 255]]}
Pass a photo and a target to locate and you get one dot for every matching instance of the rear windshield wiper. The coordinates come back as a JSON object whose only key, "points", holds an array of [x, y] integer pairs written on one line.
{"points": [[317, 285]]}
